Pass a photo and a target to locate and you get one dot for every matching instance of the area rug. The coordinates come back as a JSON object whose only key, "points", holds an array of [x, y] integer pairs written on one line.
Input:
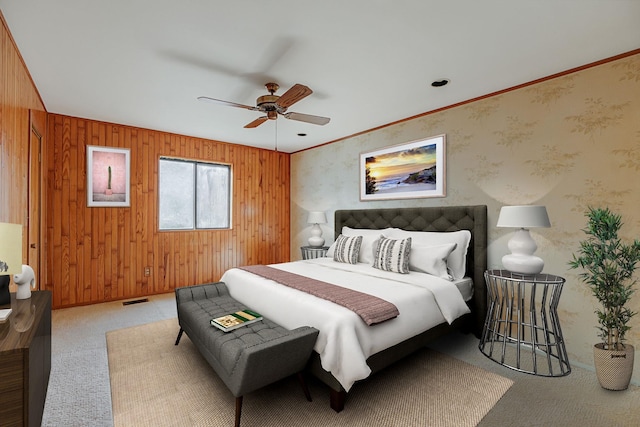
{"points": [[155, 383]]}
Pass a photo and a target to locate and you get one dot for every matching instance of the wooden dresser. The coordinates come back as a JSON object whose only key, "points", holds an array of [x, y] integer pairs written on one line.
{"points": [[25, 360]]}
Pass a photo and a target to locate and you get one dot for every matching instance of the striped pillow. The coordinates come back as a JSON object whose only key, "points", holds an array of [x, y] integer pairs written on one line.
{"points": [[392, 255], [347, 249]]}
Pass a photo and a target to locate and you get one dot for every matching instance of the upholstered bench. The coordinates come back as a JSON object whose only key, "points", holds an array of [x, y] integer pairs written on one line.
{"points": [[246, 358]]}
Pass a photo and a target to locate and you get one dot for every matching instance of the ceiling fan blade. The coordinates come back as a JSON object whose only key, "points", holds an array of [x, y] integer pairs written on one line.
{"points": [[293, 95], [308, 118], [257, 122], [227, 103]]}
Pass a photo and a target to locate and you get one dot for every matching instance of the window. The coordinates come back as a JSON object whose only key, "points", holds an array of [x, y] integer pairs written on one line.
{"points": [[194, 195]]}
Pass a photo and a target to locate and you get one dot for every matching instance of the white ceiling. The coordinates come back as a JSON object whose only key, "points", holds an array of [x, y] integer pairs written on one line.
{"points": [[370, 62]]}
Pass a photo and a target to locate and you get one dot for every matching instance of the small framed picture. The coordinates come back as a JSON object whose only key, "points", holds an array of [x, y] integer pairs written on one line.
{"points": [[108, 176], [411, 170]]}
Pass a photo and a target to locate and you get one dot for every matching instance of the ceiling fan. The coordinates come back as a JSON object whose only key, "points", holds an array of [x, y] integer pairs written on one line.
{"points": [[272, 105]]}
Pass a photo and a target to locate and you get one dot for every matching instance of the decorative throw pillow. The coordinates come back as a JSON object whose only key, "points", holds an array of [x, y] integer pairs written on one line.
{"points": [[431, 259], [392, 255], [346, 249], [457, 260]]}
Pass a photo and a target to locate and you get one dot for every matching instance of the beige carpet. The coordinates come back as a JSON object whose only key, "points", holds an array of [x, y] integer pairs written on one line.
{"points": [[154, 383]]}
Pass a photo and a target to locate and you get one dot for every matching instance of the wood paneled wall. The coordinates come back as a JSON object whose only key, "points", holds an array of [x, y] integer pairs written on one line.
{"points": [[99, 254], [18, 95]]}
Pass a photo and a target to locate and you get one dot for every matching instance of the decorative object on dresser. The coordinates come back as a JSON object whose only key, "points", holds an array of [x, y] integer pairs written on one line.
{"points": [[522, 330], [5, 296], [316, 218], [521, 245], [26, 280], [10, 257], [608, 265]]}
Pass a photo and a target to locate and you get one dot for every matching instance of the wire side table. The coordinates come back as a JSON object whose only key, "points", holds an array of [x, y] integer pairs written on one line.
{"points": [[522, 329], [311, 252]]}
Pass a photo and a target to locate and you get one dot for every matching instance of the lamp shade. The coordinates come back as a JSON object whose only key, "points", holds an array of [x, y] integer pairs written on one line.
{"points": [[529, 216], [10, 249], [317, 218]]}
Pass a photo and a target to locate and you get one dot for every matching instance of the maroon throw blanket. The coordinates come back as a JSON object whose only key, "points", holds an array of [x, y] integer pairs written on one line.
{"points": [[370, 308]]}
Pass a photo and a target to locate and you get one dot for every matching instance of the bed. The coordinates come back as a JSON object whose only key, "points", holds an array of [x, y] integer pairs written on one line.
{"points": [[348, 350]]}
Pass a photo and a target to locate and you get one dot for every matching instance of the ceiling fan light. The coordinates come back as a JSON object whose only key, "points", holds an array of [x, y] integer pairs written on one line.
{"points": [[267, 99]]}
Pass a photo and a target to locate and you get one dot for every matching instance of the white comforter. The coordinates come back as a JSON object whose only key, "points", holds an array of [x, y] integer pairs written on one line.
{"points": [[345, 341]]}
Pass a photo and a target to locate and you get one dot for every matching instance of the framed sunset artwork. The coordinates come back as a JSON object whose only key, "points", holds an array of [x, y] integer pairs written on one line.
{"points": [[411, 170]]}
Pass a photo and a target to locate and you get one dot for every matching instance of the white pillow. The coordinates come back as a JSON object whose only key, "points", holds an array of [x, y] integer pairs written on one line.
{"points": [[431, 259], [369, 241], [457, 261], [331, 250], [392, 255], [347, 249]]}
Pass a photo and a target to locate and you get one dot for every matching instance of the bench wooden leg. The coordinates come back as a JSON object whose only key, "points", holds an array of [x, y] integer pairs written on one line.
{"points": [[337, 399], [303, 383], [179, 336], [238, 410]]}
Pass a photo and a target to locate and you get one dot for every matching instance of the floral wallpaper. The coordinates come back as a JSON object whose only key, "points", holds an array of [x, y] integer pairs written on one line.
{"points": [[566, 143]]}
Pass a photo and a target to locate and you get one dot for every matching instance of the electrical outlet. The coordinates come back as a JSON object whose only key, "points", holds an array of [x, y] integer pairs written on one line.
{"points": [[147, 271]]}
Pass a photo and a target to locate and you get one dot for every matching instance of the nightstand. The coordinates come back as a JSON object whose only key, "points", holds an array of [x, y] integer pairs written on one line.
{"points": [[522, 329], [311, 252]]}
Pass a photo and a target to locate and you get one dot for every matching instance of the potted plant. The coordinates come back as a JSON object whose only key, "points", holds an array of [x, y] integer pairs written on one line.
{"points": [[608, 265]]}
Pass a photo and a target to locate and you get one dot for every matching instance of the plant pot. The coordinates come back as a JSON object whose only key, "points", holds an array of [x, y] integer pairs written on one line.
{"points": [[613, 367], [108, 192]]}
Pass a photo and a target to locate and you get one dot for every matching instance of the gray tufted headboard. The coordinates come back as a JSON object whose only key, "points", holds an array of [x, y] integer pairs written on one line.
{"points": [[443, 218]]}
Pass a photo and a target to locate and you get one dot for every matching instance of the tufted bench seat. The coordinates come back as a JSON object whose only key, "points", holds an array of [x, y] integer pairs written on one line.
{"points": [[246, 358]]}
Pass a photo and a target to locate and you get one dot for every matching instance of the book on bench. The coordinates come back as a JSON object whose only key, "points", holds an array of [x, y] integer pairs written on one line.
{"points": [[232, 321]]}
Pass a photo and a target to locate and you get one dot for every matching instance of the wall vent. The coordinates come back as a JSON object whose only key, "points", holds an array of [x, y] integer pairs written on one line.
{"points": [[135, 301]]}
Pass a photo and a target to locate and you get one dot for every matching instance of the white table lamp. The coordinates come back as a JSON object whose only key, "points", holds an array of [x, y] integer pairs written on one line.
{"points": [[316, 218], [10, 257], [522, 245]]}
